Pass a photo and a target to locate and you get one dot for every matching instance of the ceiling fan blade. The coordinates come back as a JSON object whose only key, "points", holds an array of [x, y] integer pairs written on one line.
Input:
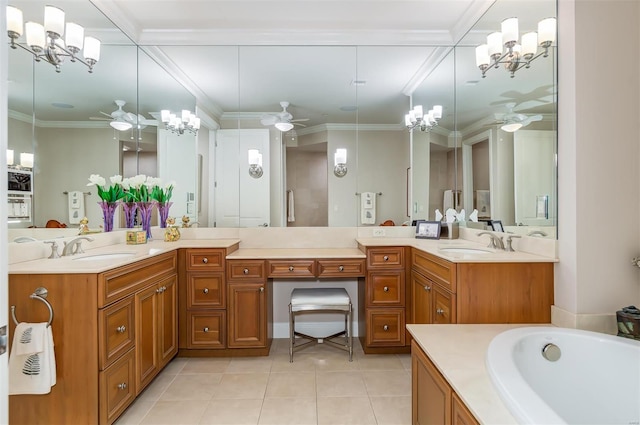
{"points": [[299, 119], [298, 124], [531, 119], [105, 114], [100, 119]]}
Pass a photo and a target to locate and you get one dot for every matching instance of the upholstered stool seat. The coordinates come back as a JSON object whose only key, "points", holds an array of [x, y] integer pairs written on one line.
{"points": [[320, 300]]}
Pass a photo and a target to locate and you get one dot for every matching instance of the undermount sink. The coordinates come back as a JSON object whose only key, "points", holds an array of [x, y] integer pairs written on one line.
{"points": [[465, 250], [106, 256]]}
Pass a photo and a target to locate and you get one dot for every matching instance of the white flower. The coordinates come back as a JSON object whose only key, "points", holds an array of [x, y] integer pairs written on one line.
{"points": [[117, 179], [126, 183], [170, 185], [96, 179]]}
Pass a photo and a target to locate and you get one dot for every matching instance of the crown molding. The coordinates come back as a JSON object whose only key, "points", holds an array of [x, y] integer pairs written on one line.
{"points": [[434, 59]]}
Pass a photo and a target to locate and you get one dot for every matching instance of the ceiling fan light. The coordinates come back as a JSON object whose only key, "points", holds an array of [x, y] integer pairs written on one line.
{"points": [[510, 127], [120, 125], [284, 126]]}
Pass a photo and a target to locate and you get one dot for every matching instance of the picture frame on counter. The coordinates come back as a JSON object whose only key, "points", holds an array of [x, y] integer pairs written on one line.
{"points": [[428, 229], [496, 225]]}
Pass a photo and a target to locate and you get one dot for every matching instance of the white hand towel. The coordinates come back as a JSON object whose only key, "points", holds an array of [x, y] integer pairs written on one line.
{"points": [[368, 208], [291, 217], [33, 373], [76, 206], [30, 338]]}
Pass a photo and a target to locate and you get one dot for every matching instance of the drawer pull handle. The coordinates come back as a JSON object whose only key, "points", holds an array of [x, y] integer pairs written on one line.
{"points": [[205, 260], [340, 268], [385, 258], [427, 288], [262, 289], [440, 311], [245, 271], [121, 329], [385, 289], [385, 328], [290, 268], [206, 329], [122, 386], [205, 290]]}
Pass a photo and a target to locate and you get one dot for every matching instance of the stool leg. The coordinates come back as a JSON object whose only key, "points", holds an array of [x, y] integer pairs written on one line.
{"points": [[291, 333], [350, 333]]}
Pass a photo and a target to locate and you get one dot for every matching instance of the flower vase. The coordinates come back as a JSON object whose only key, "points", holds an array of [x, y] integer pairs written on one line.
{"points": [[163, 211], [145, 209], [129, 209], [108, 211]]}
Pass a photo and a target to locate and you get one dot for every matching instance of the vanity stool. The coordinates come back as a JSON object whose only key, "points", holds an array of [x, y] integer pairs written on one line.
{"points": [[320, 300]]}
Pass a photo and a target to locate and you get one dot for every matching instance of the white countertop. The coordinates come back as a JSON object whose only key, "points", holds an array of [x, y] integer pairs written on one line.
{"points": [[458, 351]]}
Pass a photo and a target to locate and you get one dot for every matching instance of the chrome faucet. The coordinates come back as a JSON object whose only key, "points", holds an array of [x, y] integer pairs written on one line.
{"points": [[74, 246], [496, 241], [537, 233]]}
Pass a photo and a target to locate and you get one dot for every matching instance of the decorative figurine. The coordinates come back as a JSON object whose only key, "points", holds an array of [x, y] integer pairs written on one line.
{"points": [[172, 232], [185, 221], [84, 226]]}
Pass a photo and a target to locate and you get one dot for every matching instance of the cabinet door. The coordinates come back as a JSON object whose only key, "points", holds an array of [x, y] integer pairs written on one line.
{"points": [[421, 299], [167, 320], [443, 306], [430, 393], [247, 315], [147, 363], [460, 414]]}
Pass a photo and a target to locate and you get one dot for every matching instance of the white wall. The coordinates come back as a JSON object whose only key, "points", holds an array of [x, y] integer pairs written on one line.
{"points": [[343, 203], [598, 154]]}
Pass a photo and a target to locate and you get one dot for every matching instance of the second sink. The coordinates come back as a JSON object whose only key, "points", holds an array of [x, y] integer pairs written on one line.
{"points": [[465, 251]]}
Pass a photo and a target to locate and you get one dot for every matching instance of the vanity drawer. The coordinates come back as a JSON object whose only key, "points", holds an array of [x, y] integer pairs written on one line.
{"points": [[435, 268], [245, 269], [385, 327], [206, 290], [341, 268], [116, 331], [292, 268], [385, 257], [206, 329], [117, 388], [385, 288], [205, 259]]}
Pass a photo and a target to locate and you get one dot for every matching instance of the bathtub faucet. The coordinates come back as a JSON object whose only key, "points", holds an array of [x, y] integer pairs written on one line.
{"points": [[496, 241]]}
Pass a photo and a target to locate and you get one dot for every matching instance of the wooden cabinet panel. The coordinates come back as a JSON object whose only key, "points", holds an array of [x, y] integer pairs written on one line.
{"points": [[117, 388], [206, 290], [385, 257], [385, 327], [245, 269], [421, 299], [205, 259], [116, 331], [444, 306], [147, 363], [430, 394], [167, 319], [341, 268], [206, 329], [460, 414], [385, 288], [247, 313], [435, 268], [291, 268]]}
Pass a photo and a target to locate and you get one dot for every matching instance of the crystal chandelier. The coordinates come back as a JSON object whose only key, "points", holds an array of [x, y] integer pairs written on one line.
{"points": [[186, 122], [45, 41], [416, 118]]}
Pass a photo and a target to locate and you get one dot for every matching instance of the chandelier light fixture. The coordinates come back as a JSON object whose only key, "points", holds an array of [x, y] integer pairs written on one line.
{"points": [[340, 162], [416, 118], [255, 163], [503, 47], [45, 42], [186, 122]]}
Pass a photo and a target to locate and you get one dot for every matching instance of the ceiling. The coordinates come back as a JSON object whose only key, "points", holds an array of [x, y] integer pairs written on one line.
{"points": [[240, 58]]}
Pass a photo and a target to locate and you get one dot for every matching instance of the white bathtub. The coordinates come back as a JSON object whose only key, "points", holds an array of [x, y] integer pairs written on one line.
{"points": [[596, 380]]}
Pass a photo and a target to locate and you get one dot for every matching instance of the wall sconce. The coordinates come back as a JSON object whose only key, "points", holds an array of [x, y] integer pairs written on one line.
{"points": [[45, 42], [516, 56], [26, 160], [179, 124], [10, 158], [255, 163], [340, 163], [425, 122]]}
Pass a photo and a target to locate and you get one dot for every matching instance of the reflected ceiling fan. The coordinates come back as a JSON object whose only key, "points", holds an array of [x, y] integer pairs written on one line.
{"points": [[282, 120], [513, 121], [122, 120]]}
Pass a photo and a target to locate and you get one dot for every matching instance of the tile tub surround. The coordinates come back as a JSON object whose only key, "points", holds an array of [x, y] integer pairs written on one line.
{"points": [[459, 352]]}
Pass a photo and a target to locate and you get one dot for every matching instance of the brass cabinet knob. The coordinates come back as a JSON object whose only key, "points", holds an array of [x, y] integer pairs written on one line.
{"points": [[205, 290], [205, 260], [340, 268], [385, 327], [121, 329], [122, 386]]}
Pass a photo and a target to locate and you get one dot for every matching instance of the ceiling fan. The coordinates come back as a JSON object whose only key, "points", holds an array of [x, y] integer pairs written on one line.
{"points": [[122, 120], [282, 120], [513, 121]]}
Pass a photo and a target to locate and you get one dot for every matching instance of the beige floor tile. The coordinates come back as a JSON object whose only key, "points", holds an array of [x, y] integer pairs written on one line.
{"points": [[135, 413], [202, 386], [291, 384], [232, 412], [379, 362], [206, 365], [288, 411], [250, 364], [175, 366], [387, 383], [334, 360], [302, 362], [392, 410], [242, 385], [345, 411], [340, 384], [158, 386], [175, 412]]}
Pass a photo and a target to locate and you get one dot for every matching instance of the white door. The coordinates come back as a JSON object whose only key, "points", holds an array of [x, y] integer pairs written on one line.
{"points": [[240, 199]]}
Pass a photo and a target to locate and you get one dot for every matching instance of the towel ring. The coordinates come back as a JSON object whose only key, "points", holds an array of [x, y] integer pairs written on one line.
{"points": [[41, 295]]}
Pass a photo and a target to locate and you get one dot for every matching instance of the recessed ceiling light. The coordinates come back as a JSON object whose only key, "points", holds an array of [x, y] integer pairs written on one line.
{"points": [[349, 108], [358, 82], [62, 105]]}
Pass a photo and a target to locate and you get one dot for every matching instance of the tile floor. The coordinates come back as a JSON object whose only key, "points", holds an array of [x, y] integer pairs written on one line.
{"points": [[320, 387]]}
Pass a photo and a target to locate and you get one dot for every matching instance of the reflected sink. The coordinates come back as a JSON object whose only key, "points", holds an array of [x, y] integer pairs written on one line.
{"points": [[465, 251], [106, 256]]}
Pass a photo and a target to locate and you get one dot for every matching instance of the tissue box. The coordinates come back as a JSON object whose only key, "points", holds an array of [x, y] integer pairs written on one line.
{"points": [[449, 230], [136, 237]]}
